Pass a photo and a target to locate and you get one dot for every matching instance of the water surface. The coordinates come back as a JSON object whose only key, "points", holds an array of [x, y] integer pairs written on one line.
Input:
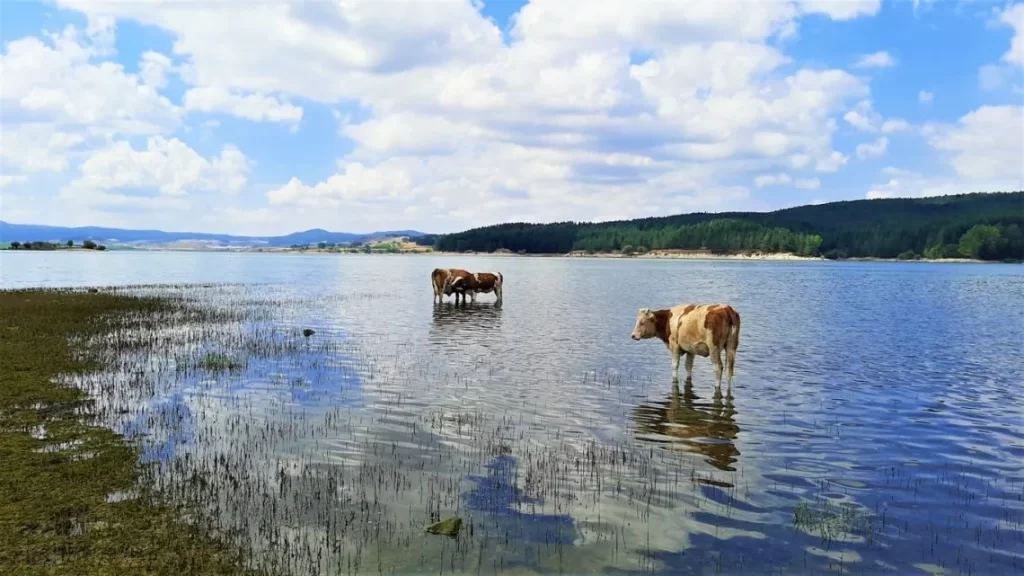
{"points": [[875, 424]]}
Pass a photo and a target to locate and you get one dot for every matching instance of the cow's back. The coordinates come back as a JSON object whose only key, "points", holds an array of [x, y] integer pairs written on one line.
{"points": [[486, 281], [708, 323], [439, 275]]}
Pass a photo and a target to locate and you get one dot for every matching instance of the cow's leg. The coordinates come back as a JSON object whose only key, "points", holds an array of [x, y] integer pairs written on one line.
{"points": [[676, 352], [689, 366], [716, 358]]}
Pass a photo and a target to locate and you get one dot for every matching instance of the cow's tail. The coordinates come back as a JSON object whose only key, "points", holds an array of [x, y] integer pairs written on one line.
{"points": [[498, 286], [734, 329], [733, 340]]}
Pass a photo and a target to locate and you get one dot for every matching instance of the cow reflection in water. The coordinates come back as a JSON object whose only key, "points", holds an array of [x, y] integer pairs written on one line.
{"points": [[702, 428], [462, 320]]}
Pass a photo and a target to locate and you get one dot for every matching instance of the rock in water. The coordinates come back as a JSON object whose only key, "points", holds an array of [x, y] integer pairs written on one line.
{"points": [[307, 332], [449, 527]]}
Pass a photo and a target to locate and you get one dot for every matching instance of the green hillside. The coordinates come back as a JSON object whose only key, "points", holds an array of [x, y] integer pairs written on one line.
{"points": [[986, 226]]}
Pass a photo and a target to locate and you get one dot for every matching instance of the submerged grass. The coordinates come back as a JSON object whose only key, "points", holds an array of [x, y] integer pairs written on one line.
{"points": [[215, 362], [59, 468]]}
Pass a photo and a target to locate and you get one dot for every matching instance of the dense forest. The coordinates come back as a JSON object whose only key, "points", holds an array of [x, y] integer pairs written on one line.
{"points": [[986, 226]]}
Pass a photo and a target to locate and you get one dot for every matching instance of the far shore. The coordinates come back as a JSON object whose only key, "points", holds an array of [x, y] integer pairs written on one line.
{"points": [[652, 255]]}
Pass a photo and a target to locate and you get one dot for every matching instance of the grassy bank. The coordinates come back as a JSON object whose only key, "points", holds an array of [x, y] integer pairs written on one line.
{"points": [[60, 470]]}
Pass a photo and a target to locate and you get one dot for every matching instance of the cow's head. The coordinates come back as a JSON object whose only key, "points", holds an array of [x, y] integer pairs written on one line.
{"points": [[645, 325], [451, 284]]}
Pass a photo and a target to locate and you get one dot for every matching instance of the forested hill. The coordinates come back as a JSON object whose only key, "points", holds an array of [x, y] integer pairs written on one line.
{"points": [[987, 226]]}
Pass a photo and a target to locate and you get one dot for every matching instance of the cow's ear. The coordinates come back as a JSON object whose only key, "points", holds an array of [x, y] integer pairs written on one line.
{"points": [[644, 312]]}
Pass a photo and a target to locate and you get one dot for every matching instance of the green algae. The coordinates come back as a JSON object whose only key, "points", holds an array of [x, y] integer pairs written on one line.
{"points": [[449, 527], [59, 468]]}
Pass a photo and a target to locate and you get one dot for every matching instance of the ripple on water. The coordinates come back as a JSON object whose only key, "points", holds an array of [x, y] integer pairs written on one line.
{"points": [[856, 440]]}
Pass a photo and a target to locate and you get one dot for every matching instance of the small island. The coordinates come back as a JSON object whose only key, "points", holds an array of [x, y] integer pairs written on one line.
{"points": [[50, 246]]}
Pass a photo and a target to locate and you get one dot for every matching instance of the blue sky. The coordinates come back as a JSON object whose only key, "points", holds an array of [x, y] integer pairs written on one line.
{"points": [[447, 115]]}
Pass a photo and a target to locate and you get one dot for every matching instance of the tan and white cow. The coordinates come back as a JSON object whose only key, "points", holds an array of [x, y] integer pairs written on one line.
{"points": [[462, 282], [693, 329], [438, 278]]}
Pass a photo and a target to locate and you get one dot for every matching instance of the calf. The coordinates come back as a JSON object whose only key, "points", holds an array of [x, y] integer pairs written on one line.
{"points": [[702, 330], [462, 282]]}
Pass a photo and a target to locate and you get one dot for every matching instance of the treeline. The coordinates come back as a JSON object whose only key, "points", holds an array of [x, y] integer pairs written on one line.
{"points": [[719, 236], [37, 245], [986, 226]]}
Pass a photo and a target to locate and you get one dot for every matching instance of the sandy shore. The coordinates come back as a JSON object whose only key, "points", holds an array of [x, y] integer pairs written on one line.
{"points": [[653, 255]]}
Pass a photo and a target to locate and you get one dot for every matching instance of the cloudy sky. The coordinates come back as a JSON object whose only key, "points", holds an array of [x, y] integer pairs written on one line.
{"points": [[258, 117]]}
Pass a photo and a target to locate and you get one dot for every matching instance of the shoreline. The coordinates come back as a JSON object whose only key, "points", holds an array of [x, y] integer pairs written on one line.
{"points": [[654, 255], [61, 467]]}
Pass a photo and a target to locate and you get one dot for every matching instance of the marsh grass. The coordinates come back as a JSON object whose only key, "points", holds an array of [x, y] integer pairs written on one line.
{"points": [[834, 522], [329, 454], [218, 362], [55, 514]]}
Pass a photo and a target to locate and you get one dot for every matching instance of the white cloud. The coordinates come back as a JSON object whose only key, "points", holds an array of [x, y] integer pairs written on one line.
{"points": [[983, 149], [257, 107], [863, 117], [153, 68], [874, 149], [170, 167], [1013, 16], [9, 179], [925, 96], [992, 77], [59, 83], [772, 179], [893, 171], [895, 125], [842, 9], [910, 184], [318, 50], [457, 127], [832, 163], [808, 183], [37, 147], [986, 144], [880, 59]]}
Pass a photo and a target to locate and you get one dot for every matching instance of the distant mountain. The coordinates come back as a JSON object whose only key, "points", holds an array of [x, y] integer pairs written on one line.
{"points": [[30, 232]]}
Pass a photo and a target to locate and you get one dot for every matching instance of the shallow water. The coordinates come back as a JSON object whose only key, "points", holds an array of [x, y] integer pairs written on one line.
{"points": [[875, 424]]}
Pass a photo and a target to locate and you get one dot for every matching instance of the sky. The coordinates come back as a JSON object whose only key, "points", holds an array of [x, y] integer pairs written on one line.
{"points": [[256, 117]]}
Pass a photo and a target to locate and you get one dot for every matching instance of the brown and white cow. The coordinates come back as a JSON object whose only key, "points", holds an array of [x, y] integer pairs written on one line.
{"points": [[462, 282], [693, 329], [437, 279]]}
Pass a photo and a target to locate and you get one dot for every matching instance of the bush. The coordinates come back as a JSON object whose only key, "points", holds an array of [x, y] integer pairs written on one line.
{"points": [[89, 245], [908, 255], [101, 247], [15, 245], [835, 254]]}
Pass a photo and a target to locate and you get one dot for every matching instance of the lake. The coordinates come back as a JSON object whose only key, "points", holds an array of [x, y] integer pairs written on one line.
{"points": [[875, 424]]}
